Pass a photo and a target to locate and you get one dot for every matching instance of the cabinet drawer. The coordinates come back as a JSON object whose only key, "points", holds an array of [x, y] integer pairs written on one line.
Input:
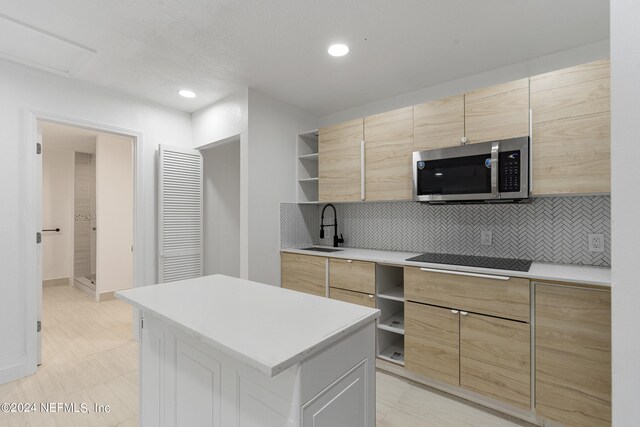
{"points": [[495, 358], [304, 273], [431, 340], [359, 276], [501, 298], [368, 300]]}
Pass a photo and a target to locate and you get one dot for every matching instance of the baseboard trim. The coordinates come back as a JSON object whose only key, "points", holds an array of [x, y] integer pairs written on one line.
{"points": [[84, 289], [106, 296], [13, 372], [56, 282]]}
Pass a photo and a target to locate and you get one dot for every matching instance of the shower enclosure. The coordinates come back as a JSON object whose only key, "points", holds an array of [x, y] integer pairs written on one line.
{"points": [[84, 257]]}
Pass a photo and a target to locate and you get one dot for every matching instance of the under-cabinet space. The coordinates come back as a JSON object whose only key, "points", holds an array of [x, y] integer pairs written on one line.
{"points": [[390, 282], [391, 347]]}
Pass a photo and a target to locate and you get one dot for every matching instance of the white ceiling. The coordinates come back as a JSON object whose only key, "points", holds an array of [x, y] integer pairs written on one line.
{"points": [[152, 48]]}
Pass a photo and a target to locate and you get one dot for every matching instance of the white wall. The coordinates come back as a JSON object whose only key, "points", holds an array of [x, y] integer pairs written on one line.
{"points": [[273, 127], [219, 121], [221, 228], [114, 213], [57, 211], [625, 209], [23, 89], [543, 64]]}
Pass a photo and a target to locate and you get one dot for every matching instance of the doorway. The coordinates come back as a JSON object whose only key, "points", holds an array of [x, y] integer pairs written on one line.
{"points": [[87, 208], [221, 208]]}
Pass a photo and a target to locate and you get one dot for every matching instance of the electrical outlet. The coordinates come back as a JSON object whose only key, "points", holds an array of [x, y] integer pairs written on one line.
{"points": [[486, 238], [596, 242]]}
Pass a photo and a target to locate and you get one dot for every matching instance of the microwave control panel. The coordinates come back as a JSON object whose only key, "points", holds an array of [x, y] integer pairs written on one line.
{"points": [[509, 174]]}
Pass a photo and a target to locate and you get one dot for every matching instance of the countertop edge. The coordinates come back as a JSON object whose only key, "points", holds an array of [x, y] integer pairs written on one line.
{"points": [[265, 368], [381, 259]]}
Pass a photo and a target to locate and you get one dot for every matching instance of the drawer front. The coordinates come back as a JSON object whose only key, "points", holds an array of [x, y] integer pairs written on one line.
{"points": [[304, 273], [431, 342], [368, 300], [501, 298], [495, 358], [358, 276]]}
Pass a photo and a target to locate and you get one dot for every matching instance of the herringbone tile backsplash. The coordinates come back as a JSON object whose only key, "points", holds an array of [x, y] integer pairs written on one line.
{"points": [[549, 229]]}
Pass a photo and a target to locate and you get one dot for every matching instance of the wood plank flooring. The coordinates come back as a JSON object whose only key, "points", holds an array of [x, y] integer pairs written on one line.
{"points": [[89, 356]]}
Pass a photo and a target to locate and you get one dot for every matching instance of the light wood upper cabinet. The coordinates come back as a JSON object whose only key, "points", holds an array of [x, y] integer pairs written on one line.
{"points": [[495, 358], [304, 273], [431, 341], [497, 112], [339, 162], [573, 355], [572, 130], [439, 123], [388, 150]]}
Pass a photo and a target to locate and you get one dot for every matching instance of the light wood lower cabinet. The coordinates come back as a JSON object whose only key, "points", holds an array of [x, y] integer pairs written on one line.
{"points": [[367, 300], [495, 358], [358, 276], [431, 341], [304, 273], [573, 355]]}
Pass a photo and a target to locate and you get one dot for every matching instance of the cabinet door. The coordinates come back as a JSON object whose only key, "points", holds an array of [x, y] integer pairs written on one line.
{"points": [[367, 300], [358, 276], [573, 355], [339, 162], [431, 342], [304, 273], [495, 358], [439, 123], [497, 112], [572, 130], [389, 149]]}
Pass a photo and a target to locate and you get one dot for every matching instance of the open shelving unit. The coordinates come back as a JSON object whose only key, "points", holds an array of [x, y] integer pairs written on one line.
{"points": [[307, 167], [390, 298]]}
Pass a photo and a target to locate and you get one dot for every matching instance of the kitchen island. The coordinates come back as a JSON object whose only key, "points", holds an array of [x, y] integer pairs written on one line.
{"points": [[221, 351]]}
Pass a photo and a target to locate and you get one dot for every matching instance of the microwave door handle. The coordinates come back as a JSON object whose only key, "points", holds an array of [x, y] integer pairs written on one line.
{"points": [[495, 150]]}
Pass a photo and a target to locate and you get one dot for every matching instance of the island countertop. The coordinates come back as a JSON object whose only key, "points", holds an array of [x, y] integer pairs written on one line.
{"points": [[262, 326]]}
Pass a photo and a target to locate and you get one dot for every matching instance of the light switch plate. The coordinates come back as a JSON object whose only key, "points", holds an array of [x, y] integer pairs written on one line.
{"points": [[486, 238], [596, 242]]}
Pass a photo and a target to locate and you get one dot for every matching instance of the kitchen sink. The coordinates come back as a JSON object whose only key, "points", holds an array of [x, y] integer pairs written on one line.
{"points": [[321, 249]]}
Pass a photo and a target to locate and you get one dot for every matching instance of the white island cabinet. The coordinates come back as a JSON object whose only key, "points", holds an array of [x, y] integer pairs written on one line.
{"points": [[224, 352]]}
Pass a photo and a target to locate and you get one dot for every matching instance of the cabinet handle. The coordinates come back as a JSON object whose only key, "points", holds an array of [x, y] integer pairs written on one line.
{"points": [[530, 150], [362, 171], [464, 313], [454, 311], [349, 260], [370, 296], [464, 273]]}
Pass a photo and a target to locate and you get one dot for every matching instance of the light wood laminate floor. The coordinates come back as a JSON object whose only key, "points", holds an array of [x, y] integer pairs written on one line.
{"points": [[90, 357]]}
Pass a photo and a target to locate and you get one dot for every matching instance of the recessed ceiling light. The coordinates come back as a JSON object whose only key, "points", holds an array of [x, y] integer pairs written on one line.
{"points": [[338, 49], [186, 93]]}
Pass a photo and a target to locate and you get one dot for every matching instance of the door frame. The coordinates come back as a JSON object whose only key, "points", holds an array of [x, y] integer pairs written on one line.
{"points": [[31, 220]]}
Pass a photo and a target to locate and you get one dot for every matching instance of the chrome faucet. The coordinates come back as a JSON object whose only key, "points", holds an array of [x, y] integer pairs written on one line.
{"points": [[336, 240]]}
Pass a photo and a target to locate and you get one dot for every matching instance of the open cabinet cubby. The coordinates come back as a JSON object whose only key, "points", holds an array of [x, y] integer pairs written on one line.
{"points": [[390, 298], [307, 167]]}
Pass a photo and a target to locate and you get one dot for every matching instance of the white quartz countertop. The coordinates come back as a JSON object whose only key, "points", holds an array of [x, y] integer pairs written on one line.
{"points": [[265, 327], [566, 273]]}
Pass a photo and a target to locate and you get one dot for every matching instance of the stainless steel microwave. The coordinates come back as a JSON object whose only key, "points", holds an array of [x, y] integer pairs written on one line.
{"points": [[495, 171]]}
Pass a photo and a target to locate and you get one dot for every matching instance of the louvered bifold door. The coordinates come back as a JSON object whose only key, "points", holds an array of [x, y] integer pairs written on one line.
{"points": [[179, 214]]}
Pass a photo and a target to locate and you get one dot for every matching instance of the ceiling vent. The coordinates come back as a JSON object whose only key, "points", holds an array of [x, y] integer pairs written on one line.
{"points": [[27, 45]]}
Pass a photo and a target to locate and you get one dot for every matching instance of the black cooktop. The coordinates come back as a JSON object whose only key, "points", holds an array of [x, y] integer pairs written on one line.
{"points": [[475, 261]]}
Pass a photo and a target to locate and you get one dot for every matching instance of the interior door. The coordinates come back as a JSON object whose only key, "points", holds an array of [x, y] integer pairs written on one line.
{"points": [[38, 188], [179, 214]]}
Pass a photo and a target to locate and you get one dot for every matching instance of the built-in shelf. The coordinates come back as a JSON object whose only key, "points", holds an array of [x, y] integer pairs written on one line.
{"points": [[310, 202], [307, 160], [394, 323], [395, 293], [393, 353]]}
